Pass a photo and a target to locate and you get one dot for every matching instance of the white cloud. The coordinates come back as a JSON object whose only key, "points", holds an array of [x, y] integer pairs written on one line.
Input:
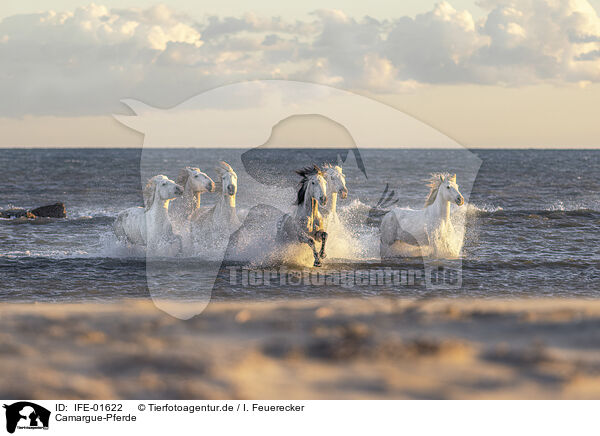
{"points": [[84, 61], [436, 46], [536, 40]]}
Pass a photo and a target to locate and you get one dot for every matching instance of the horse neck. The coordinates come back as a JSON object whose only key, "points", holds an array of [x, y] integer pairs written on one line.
{"points": [[159, 210], [225, 205], [440, 209], [332, 202], [191, 199], [306, 209], [331, 198]]}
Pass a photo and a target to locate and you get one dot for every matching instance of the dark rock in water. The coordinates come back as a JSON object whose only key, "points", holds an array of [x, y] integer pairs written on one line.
{"points": [[56, 210], [14, 213]]}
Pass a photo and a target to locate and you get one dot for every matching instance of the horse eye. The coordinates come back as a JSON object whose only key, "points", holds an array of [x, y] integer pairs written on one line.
{"points": [[196, 176], [448, 187]]}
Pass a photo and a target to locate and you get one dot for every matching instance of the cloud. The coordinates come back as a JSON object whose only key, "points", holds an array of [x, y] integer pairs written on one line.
{"points": [[537, 40], [435, 47], [82, 62]]}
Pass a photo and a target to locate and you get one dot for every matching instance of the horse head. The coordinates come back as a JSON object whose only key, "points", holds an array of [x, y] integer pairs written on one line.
{"points": [[336, 180], [228, 178], [160, 188], [195, 180], [312, 186], [445, 186]]}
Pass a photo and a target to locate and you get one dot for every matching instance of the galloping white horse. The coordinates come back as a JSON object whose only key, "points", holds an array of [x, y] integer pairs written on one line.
{"points": [[336, 184], [407, 232], [222, 217], [194, 183], [150, 226], [306, 223]]}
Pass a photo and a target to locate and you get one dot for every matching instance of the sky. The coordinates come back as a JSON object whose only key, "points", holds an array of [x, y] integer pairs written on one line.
{"points": [[380, 9], [491, 73]]}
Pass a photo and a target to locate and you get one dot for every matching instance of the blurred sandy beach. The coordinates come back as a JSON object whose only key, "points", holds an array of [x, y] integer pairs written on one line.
{"points": [[314, 349]]}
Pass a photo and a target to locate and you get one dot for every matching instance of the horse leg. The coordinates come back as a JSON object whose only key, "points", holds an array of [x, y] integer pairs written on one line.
{"points": [[322, 254], [311, 243], [173, 241], [178, 245]]}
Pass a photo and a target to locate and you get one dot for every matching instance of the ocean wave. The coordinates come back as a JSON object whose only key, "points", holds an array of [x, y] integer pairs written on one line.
{"points": [[356, 242], [569, 208], [543, 213], [482, 208], [574, 206], [80, 220], [529, 263], [357, 206], [46, 254], [92, 212]]}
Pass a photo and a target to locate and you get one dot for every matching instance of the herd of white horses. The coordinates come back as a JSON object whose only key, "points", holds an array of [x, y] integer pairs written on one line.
{"points": [[173, 215]]}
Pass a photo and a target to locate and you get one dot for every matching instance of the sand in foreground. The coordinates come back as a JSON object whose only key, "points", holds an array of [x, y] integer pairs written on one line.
{"points": [[315, 349]]}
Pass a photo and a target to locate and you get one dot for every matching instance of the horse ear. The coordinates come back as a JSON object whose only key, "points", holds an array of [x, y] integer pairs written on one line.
{"points": [[453, 178], [339, 160], [441, 178]]}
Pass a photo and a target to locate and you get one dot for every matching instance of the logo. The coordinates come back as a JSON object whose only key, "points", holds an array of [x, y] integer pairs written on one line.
{"points": [[266, 131], [26, 415]]}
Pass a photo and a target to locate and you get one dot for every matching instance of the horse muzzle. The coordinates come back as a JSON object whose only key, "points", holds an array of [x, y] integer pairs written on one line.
{"points": [[231, 190], [178, 190], [323, 200], [210, 187], [460, 200], [344, 193]]}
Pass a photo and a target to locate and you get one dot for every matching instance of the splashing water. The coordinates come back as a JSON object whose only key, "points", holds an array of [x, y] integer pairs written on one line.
{"points": [[517, 240], [446, 242]]}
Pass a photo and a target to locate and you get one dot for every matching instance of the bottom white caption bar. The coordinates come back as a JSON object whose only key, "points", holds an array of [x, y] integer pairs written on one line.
{"points": [[300, 417]]}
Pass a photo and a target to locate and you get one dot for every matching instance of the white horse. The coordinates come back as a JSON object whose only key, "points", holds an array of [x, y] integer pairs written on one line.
{"points": [[194, 183], [406, 232], [222, 217], [151, 226], [336, 184], [306, 224]]}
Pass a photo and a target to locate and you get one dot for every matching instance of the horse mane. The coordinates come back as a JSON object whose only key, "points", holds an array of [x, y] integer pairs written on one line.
{"points": [[184, 175], [306, 173], [327, 166], [434, 183], [150, 190], [223, 167]]}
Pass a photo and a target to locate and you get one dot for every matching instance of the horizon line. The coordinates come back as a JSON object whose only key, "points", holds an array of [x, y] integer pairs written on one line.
{"points": [[178, 147]]}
